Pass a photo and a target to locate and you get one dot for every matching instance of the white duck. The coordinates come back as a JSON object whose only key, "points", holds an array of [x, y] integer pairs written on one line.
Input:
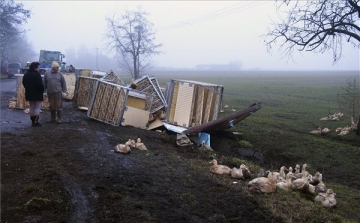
{"points": [[121, 148], [282, 173], [297, 168], [287, 184], [299, 174], [320, 187], [344, 131], [327, 199], [139, 145], [325, 131], [316, 179], [264, 184], [205, 147], [242, 173], [316, 132], [299, 184], [219, 169], [290, 170], [130, 143]]}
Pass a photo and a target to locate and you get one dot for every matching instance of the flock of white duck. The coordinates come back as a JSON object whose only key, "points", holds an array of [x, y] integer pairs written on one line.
{"points": [[130, 144], [334, 117], [269, 182], [340, 130]]}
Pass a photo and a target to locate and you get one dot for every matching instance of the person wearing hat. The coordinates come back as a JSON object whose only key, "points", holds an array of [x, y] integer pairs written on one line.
{"points": [[55, 86], [34, 89]]}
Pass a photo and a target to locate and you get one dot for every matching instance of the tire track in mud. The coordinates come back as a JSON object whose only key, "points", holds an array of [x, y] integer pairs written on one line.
{"points": [[80, 209]]}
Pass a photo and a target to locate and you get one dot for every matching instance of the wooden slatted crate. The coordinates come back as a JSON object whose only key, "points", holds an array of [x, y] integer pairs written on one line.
{"points": [[107, 103], [150, 85], [84, 91], [118, 105], [21, 103], [192, 103]]}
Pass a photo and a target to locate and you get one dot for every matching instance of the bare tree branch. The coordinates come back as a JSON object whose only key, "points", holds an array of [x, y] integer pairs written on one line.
{"points": [[316, 25], [132, 37]]}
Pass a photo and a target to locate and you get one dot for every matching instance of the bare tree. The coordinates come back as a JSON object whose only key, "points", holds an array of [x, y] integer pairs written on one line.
{"points": [[349, 100], [316, 25], [132, 36], [12, 16]]}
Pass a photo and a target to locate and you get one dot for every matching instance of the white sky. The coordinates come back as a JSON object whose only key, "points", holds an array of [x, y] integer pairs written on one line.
{"points": [[59, 25]]}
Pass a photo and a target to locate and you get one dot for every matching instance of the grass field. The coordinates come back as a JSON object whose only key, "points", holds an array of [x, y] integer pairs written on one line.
{"points": [[292, 104]]}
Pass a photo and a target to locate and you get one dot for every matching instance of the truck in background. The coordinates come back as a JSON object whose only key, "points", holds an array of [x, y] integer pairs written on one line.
{"points": [[46, 58]]}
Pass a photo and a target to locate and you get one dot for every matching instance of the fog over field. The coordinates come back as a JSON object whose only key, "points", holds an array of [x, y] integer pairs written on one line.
{"points": [[193, 34]]}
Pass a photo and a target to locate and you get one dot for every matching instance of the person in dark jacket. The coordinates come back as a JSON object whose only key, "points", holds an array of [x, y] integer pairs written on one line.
{"points": [[34, 90]]}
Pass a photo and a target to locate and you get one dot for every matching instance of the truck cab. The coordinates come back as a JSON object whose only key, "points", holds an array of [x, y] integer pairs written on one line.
{"points": [[47, 57]]}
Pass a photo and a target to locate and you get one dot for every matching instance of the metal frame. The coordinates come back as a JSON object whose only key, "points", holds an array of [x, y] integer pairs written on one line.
{"points": [[123, 106]]}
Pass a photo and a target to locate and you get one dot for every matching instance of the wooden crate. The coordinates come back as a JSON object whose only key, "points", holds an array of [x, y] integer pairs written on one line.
{"points": [[21, 103], [107, 103], [83, 91], [137, 111], [70, 79], [83, 72], [113, 78], [192, 103], [151, 86], [118, 105]]}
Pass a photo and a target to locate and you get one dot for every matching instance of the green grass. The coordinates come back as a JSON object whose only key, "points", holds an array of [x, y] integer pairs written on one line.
{"points": [[292, 104]]}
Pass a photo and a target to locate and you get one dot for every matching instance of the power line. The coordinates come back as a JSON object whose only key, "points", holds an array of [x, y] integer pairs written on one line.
{"points": [[213, 15]]}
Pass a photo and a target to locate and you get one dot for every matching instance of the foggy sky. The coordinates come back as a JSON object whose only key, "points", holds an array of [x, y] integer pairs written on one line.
{"points": [[60, 25]]}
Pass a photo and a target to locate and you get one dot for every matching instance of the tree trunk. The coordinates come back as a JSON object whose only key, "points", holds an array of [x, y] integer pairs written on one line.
{"points": [[358, 127], [135, 70]]}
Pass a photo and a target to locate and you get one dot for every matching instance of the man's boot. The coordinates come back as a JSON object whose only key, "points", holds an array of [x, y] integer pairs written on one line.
{"points": [[53, 115], [37, 121], [59, 116], [32, 120]]}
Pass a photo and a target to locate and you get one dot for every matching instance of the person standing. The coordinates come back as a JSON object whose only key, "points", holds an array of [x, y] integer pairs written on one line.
{"points": [[34, 89], [55, 86]]}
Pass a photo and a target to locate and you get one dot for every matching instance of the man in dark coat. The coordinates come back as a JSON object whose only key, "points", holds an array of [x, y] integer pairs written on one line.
{"points": [[34, 90]]}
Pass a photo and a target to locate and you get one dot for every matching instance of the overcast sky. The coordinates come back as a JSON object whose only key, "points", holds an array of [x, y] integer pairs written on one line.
{"points": [[204, 38]]}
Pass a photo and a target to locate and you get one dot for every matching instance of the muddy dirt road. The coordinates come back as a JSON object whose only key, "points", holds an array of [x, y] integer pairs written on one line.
{"points": [[69, 173]]}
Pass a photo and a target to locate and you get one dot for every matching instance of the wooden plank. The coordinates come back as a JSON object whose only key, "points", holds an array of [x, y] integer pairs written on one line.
{"points": [[217, 103], [199, 106], [183, 105], [173, 102], [136, 102], [135, 117], [208, 104], [193, 104]]}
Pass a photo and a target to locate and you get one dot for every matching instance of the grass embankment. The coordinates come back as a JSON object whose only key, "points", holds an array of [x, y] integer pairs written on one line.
{"points": [[292, 104]]}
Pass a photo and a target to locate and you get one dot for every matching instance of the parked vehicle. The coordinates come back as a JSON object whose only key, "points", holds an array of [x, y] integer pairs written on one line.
{"points": [[12, 69], [46, 58]]}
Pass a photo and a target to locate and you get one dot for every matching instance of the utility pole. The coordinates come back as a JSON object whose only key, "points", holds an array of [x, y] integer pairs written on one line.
{"points": [[97, 51]]}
